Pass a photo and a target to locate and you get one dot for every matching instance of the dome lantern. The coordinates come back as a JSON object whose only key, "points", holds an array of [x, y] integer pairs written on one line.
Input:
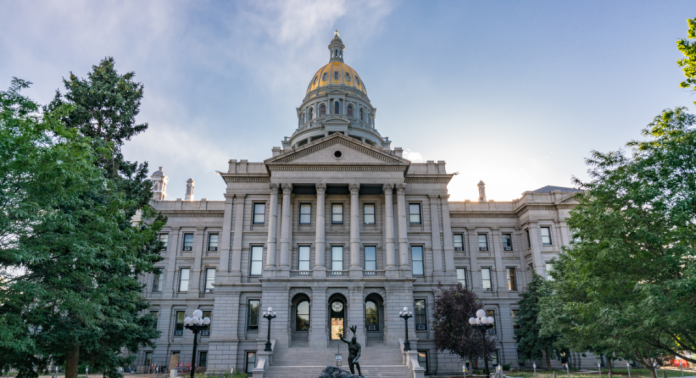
{"points": [[336, 48]]}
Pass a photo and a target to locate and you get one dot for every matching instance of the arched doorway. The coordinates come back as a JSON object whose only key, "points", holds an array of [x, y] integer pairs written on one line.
{"points": [[337, 316], [300, 321], [374, 318]]}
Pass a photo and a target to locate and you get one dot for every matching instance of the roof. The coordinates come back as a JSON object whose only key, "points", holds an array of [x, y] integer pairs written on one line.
{"points": [[550, 188], [336, 73]]}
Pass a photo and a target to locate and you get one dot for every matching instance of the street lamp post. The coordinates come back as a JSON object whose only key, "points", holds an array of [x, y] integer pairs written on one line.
{"points": [[196, 324], [269, 315], [483, 324], [405, 314]]}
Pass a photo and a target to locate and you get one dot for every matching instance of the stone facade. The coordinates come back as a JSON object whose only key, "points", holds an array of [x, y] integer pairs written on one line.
{"points": [[336, 216]]}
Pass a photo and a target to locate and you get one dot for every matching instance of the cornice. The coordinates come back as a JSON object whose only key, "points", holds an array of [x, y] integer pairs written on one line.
{"points": [[483, 215], [429, 179], [193, 213], [235, 178], [364, 168], [337, 139]]}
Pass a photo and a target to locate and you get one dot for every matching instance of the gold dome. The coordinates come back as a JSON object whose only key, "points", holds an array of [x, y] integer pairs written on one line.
{"points": [[337, 73]]}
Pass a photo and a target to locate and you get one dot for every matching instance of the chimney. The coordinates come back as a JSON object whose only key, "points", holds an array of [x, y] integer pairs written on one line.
{"points": [[482, 191], [189, 189], [159, 185]]}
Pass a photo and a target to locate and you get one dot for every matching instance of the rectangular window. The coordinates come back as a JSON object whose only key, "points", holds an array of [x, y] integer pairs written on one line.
{"points": [[259, 213], [188, 242], [157, 282], [414, 213], [253, 315], [529, 240], [203, 359], [546, 236], [250, 362], [486, 279], [179, 325], [420, 315], [549, 268], [515, 319], [423, 360], [337, 213], [491, 313], [494, 358], [369, 213], [209, 315], [164, 239], [256, 260], [213, 242], [483, 242], [458, 242], [511, 279], [184, 279], [155, 314], [417, 260], [148, 359], [461, 276], [336, 258], [370, 258], [507, 242], [209, 280], [305, 213], [303, 252]]}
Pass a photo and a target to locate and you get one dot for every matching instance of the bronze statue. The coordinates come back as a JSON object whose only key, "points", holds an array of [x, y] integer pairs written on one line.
{"points": [[353, 351]]}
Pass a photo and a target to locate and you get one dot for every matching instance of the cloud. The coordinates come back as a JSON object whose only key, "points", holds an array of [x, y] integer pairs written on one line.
{"points": [[414, 157]]}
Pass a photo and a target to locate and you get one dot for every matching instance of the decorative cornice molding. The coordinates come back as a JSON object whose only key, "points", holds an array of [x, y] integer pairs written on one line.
{"points": [[382, 168], [438, 180], [229, 179], [193, 214], [336, 140], [482, 215]]}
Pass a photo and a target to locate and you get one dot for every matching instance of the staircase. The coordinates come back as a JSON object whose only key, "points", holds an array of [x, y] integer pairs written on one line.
{"points": [[378, 361]]}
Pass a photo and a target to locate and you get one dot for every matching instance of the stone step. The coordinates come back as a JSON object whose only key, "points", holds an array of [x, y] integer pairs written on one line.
{"points": [[385, 371]]}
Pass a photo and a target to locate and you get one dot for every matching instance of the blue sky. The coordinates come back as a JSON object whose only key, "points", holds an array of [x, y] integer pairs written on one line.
{"points": [[514, 93]]}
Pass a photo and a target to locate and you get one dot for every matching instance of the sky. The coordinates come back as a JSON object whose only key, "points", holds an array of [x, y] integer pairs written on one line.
{"points": [[514, 93]]}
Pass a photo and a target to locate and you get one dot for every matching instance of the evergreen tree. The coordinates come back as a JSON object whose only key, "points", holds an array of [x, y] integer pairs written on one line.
{"points": [[451, 312], [531, 343]]}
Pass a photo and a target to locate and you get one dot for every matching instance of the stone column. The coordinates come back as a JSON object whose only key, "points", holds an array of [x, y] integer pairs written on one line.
{"points": [[389, 226], [438, 270], [447, 236], [272, 225], [320, 239], [224, 267], [236, 270], [473, 260], [534, 236], [285, 230], [403, 236], [355, 230], [196, 287], [172, 248], [496, 243]]}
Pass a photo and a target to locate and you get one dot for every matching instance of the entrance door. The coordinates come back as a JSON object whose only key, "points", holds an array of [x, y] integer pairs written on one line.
{"points": [[337, 319]]}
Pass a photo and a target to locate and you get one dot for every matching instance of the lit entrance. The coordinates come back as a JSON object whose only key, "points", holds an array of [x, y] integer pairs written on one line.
{"points": [[337, 310]]}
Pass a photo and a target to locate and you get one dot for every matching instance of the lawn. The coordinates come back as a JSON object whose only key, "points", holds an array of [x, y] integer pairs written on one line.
{"points": [[635, 373]]}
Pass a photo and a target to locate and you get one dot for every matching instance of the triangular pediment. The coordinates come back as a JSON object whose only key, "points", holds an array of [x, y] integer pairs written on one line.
{"points": [[568, 200], [326, 150]]}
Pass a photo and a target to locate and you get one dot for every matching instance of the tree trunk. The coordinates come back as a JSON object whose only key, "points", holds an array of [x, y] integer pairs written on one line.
{"points": [[548, 359], [652, 370], [609, 367], [72, 362]]}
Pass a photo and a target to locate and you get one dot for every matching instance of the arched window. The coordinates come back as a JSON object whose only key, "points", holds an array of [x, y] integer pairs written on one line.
{"points": [[361, 114], [322, 110], [302, 316], [347, 76], [335, 75], [337, 107], [315, 79], [156, 187], [371, 316], [324, 76], [357, 81], [350, 110], [311, 114]]}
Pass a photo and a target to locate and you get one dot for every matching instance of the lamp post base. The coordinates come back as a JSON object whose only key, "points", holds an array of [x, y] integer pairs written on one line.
{"points": [[407, 345], [268, 347]]}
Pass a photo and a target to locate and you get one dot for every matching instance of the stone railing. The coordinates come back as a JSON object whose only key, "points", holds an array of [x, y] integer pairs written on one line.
{"points": [[373, 273], [263, 359], [300, 273], [410, 359], [336, 273]]}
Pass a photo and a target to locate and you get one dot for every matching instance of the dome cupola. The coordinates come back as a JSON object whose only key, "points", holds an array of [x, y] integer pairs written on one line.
{"points": [[336, 101]]}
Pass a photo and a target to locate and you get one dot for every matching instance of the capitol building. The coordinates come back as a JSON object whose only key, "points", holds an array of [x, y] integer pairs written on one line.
{"points": [[336, 228]]}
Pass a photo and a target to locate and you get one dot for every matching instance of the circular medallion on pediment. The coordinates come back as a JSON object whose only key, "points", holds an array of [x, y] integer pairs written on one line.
{"points": [[338, 154]]}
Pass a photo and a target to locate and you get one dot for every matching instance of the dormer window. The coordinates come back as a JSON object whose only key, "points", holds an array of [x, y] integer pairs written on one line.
{"points": [[350, 110], [322, 110], [311, 113], [357, 81], [361, 114], [347, 76], [337, 108], [324, 76], [335, 75], [315, 79]]}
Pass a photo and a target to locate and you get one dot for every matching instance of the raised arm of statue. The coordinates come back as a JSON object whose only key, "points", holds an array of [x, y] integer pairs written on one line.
{"points": [[340, 337]]}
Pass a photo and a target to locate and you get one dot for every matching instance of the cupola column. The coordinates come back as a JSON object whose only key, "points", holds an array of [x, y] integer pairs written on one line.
{"points": [[355, 266], [285, 229], [403, 231], [272, 229], [320, 240]]}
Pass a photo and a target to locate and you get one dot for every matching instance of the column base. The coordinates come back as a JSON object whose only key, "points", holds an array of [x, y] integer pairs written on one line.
{"points": [[392, 272], [355, 273], [319, 272], [283, 272]]}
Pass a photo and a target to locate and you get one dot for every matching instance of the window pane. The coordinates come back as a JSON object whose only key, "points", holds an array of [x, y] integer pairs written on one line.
{"points": [[336, 258], [423, 359], [417, 260], [253, 319], [483, 242], [184, 280], [371, 315], [420, 312], [414, 213], [458, 242], [491, 313], [251, 361], [256, 256], [507, 242], [305, 213], [337, 213], [303, 316], [179, 326], [370, 258], [209, 279], [259, 213], [203, 360], [511, 279], [529, 241], [164, 239], [157, 282], [155, 314], [461, 277], [486, 278], [212, 242], [546, 236], [303, 257], [188, 242], [515, 319], [369, 213]]}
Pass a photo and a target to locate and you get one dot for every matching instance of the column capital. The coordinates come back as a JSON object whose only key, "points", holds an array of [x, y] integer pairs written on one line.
{"points": [[400, 188], [240, 195], [433, 196], [274, 188], [287, 188], [321, 188], [388, 188], [354, 188]]}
